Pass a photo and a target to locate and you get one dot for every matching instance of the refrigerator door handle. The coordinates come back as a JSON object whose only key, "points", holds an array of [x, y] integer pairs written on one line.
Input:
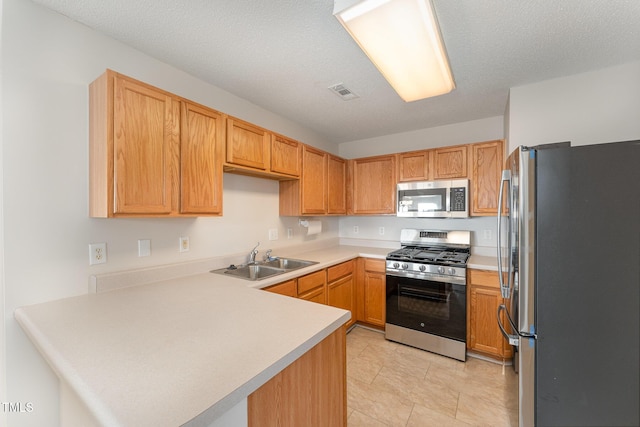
{"points": [[504, 287], [513, 339]]}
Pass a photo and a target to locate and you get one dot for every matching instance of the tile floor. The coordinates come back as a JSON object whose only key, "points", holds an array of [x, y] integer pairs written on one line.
{"points": [[390, 384]]}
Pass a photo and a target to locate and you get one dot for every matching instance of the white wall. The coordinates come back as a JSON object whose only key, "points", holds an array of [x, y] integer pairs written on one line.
{"points": [[454, 134], [48, 63], [588, 108]]}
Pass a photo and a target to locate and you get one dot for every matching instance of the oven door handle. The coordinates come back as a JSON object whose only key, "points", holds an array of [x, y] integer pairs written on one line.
{"points": [[419, 294], [505, 288]]}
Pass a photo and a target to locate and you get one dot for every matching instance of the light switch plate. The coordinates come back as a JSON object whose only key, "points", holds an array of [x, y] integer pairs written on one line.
{"points": [[273, 234], [144, 247]]}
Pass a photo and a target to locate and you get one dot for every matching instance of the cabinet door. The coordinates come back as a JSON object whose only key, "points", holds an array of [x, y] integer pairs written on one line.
{"points": [[201, 151], [487, 160], [247, 145], [145, 148], [314, 181], [317, 295], [414, 166], [483, 333], [373, 185], [374, 292], [285, 155], [341, 291], [450, 162], [341, 294], [336, 185]]}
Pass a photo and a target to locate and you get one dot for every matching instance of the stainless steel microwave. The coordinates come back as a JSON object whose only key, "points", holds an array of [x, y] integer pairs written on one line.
{"points": [[434, 199]]}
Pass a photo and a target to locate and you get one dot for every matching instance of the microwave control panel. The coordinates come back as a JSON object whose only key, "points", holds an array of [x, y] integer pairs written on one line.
{"points": [[458, 199]]}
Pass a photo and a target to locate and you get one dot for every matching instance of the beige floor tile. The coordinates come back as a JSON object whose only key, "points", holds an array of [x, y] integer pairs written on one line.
{"points": [[483, 412], [425, 417], [378, 402], [358, 419], [394, 384]]}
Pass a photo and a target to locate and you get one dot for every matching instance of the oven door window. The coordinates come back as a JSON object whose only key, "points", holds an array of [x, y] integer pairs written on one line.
{"points": [[432, 307], [423, 200]]}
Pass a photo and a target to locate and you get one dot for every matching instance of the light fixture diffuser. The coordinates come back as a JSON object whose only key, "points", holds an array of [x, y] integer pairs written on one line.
{"points": [[402, 39]]}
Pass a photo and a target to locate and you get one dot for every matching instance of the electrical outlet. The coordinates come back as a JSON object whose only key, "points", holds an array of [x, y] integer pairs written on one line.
{"points": [[273, 234], [97, 253], [486, 234], [356, 230], [381, 231], [184, 244], [144, 247], [289, 233]]}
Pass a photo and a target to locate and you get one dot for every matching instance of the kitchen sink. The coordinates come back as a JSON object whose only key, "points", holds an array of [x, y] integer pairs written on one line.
{"points": [[262, 270], [288, 263]]}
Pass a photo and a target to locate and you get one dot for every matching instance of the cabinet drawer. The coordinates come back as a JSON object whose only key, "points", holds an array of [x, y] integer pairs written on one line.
{"points": [[374, 265], [287, 288], [311, 281], [484, 278], [340, 270]]}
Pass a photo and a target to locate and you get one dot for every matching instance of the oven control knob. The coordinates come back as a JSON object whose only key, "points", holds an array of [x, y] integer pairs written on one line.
{"points": [[451, 270], [422, 267], [405, 266], [441, 270], [396, 265]]}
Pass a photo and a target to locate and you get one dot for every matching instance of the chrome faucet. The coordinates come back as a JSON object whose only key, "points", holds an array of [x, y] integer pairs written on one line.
{"points": [[267, 257], [253, 253]]}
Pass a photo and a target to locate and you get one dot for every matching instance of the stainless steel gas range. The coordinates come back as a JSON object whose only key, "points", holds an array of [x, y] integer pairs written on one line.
{"points": [[426, 291]]}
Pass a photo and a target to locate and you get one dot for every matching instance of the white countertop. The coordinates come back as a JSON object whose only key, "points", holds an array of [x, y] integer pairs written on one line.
{"points": [[183, 350], [187, 349]]}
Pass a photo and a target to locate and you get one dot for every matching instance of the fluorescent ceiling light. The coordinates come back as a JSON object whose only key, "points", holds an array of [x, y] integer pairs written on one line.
{"points": [[402, 39]]}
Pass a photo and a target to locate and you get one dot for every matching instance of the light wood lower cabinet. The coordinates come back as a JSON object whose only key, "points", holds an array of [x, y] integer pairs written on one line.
{"points": [[288, 288], [341, 291], [309, 392], [371, 291], [312, 287], [483, 333]]}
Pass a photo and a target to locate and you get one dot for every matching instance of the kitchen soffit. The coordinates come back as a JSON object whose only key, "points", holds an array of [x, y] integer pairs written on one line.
{"points": [[283, 55]]}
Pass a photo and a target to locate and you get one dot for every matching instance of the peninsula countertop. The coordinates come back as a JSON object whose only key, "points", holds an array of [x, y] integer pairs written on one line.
{"points": [[183, 350]]}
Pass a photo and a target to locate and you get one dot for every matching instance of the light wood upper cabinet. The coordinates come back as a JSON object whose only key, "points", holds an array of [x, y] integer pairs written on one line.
{"points": [[137, 138], [414, 166], [247, 145], [314, 181], [373, 185], [336, 186], [201, 154], [450, 162], [286, 155], [486, 167], [320, 189]]}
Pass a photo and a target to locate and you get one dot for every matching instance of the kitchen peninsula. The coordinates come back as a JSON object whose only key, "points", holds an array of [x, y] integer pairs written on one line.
{"points": [[179, 352], [187, 350]]}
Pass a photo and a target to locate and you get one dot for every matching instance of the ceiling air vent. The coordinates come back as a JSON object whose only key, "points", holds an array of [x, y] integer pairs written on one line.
{"points": [[343, 92]]}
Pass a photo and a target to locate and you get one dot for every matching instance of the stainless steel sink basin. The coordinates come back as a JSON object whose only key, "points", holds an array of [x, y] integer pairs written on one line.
{"points": [[289, 263], [262, 270], [250, 272]]}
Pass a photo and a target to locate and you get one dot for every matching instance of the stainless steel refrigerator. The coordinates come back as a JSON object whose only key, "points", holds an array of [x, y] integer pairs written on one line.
{"points": [[569, 251]]}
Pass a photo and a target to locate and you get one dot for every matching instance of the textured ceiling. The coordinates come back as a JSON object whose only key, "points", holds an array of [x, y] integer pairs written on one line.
{"points": [[283, 54]]}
